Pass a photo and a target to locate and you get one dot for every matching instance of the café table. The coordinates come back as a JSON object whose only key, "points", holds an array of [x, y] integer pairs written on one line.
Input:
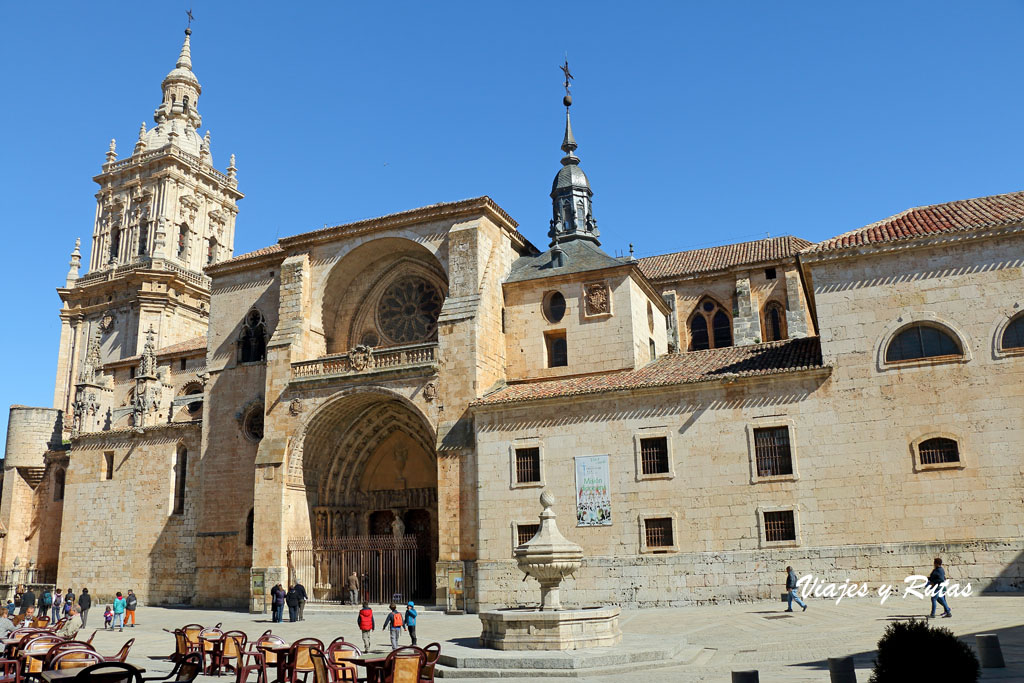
{"points": [[283, 652], [215, 652], [62, 675], [374, 667]]}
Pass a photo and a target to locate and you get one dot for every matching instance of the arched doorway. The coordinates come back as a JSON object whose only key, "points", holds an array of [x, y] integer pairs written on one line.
{"points": [[370, 475]]}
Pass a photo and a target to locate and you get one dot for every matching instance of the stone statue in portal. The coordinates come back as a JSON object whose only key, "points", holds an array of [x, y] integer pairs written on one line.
{"points": [[397, 525]]}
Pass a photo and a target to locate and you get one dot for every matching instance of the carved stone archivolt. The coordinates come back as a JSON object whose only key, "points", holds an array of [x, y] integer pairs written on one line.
{"points": [[596, 299]]}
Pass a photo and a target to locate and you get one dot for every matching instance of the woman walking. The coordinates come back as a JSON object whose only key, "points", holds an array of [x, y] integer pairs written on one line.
{"points": [[277, 602]]}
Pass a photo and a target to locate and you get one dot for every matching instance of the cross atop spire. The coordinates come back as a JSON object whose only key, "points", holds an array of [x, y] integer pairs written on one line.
{"points": [[570, 193]]}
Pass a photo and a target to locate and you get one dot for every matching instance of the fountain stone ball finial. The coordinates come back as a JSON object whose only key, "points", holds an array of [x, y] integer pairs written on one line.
{"points": [[547, 499]]}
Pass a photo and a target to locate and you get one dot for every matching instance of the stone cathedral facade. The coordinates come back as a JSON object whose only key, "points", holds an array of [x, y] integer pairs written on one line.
{"points": [[391, 396]]}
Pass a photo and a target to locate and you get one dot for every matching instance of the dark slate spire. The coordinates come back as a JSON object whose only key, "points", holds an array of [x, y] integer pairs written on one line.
{"points": [[572, 217]]}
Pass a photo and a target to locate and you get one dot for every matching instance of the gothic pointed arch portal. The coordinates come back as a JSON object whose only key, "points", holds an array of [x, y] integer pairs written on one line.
{"points": [[369, 470]]}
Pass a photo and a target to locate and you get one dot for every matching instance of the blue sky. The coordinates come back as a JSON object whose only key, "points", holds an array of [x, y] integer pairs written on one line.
{"points": [[698, 123]]}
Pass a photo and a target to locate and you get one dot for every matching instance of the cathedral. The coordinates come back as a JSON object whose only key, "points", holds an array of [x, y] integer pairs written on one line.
{"points": [[390, 397]]}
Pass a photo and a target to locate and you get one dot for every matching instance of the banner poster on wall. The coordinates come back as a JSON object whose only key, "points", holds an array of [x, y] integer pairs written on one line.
{"points": [[593, 501]]}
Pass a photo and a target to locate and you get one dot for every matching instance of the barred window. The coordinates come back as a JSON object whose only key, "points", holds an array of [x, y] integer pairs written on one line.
{"points": [[938, 451], [524, 532], [654, 455], [779, 526], [558, 353], [658, 532], [527, 465], [772, 452]]}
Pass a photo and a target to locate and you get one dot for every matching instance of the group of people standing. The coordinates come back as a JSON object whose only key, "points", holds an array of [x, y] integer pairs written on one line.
{"points": [[295, 597], [58, 604]]}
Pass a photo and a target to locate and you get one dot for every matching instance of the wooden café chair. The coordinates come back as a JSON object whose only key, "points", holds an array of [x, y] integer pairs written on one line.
{"points": [[122, 654], [404, 665], [75, 659], [231, 650], [61, 647], [299, 661], [35, 651], [186, 670], [10, 671], [109, 672], [432, 651], [263, 645], [338, 654]]}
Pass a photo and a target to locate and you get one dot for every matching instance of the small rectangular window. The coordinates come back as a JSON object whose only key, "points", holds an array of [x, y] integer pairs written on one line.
{"points": [[654, 455], [779, 526], [131, 372], [108, 465], [771, 448], [939, 451], [558, 354], [180, 471], [654, 350], [769, 274], [527, 465], [182, 365], [524, 532], [658, 532]]}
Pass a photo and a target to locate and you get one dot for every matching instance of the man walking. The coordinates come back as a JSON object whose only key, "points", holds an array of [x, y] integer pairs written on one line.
{"points": [[300, 592], [130, 604], [84, 603], [791, 591], [367, 624], [937, 582], [28, 599], [353, 588]]}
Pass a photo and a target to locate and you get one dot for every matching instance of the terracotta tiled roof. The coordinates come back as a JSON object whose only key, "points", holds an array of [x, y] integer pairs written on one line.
{"points": [[272, 249], [770, 358], [959, 216], [193, 344], [696, 261]]}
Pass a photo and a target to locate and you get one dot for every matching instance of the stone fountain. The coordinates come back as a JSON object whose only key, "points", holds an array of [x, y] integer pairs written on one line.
{"points": [[549, 557]]}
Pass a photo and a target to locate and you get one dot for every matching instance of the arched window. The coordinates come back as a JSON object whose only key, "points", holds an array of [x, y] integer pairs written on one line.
{"points": [[938, 451], [252, 343], [115, 243], [921, 341], [180, 471], [184, 103], [58, 484], [774, 322], [249, 528], [195, 408], [710, 317], [143, 237], [1013, 335], [211, 252], [182, 240]]}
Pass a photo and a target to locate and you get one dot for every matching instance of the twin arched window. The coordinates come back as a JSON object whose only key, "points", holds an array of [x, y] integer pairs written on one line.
{"points": [[922, 340], [252, 343], [710, 326]]}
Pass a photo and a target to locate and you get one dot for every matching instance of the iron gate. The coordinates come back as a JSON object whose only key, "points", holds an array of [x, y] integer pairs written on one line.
{"points": [[386, 566]]}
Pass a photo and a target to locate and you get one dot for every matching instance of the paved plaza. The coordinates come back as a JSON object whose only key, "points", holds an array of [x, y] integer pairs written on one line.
{"points": [[709, 641]]}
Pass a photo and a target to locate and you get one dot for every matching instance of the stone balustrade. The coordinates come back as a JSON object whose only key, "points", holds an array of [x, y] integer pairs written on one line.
{"points": [[364, 360]]}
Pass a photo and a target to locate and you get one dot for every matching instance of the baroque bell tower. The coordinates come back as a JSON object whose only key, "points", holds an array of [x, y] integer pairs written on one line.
{"points": [[163, 214]]}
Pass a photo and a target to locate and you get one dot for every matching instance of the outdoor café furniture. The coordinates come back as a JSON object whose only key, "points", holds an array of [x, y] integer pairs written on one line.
{"points": [[192, 632], [92, 636], [211, 641], [339, 653], [185, 670], [104, 672], [432, 651], [74, 659], [40, 622], [275, 654], [248, 662], [403, 665], [61, 647], [35, 651], [182, 646], [122, 654], [231, 649], [10, 671], [299, 661]]}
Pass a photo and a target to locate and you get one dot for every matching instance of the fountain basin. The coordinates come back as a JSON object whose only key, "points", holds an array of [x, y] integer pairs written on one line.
{"points": [[533, 629]]}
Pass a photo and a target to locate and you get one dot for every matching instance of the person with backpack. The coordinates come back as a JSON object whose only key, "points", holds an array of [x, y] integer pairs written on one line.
{"points": [[69, 602], [366, 624], [45, 600], [394, 624], [130, 604], [410, 621], [84, 603], [56, 606]]}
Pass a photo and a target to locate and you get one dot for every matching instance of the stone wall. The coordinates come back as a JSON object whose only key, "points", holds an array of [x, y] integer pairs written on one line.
{"points": [[123, 532], [696, 578]]}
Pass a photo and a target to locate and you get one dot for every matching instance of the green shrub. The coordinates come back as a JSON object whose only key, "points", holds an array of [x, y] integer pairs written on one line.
{"points": [[914, 651]]}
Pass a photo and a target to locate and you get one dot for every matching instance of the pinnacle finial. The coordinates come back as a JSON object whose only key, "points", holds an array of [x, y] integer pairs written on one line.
{"points": [[185, 57], [142, 130], [112, 151]]}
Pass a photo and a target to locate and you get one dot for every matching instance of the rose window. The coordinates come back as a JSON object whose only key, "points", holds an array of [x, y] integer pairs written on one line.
{"points": [[408, 310]]}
